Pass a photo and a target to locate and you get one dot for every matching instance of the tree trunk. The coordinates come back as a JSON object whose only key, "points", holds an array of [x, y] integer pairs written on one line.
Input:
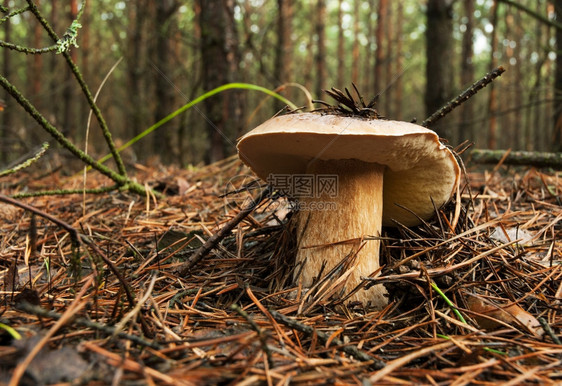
{"points": [[399, 62], [321, 47], [136, 71], [355, 49], [69, 118], [439, 48], [557, 135], [341, 47], [37, 65], [55, 81], [492, 102], [388, 62], [7, 114], [467, 129], [379, 53], [219, 60], [284, 48], [165, 142]]}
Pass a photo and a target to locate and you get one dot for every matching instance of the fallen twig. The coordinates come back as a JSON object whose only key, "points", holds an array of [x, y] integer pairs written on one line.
{"points": [[183, 270], [109, 330], [463, 97]]}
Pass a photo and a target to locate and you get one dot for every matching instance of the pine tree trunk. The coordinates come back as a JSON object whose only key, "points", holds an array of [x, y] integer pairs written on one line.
{"points": [[355, 49], [557, 136], [165, 142], [69, 117], [321, 47], [492, 102], [7, 114], [467, 129], [219, 61], [283, 50], [388, 62], [379, 40], [341, 46], [399, 62], [439, 38]]}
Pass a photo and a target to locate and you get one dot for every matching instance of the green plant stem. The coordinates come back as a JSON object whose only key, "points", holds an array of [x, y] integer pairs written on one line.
{"points": [[448, 301], [228, 86], [27, 50], [103, 125], [66, 191], [28, 162], [121, 180], [12, 14]]}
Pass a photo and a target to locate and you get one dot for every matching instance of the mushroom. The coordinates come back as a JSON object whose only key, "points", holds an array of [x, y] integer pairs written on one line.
{"points": [[384, 171]]}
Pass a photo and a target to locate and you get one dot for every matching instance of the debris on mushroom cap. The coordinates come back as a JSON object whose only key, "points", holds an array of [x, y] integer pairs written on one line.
{"points": [[419, 168]]}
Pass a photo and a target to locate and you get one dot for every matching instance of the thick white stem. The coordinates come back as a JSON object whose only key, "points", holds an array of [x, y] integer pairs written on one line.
{"points": [[353, 213]]}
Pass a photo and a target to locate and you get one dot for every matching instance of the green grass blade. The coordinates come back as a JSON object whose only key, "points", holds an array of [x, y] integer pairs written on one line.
{"points": [[10, 330], [228, 86], [449, 302]]}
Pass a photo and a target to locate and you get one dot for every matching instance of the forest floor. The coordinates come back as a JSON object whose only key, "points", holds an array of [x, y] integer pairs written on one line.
{"points": [[477, 302]]}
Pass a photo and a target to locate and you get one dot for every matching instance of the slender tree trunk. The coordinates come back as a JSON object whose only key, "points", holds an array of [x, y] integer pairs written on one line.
{"points": [[321, 47], [136, 71], [399, 62], [557, 136], [7, 114], [284, 48], [69, 119], [379, 53], [389, 62], [439, 48], [492, 102], [54, 83], [37, 66], [219, 58], [507, 139], [519, 89], [165, 142], [355, 49], [368, 69], [341, 46], [467, 72]]}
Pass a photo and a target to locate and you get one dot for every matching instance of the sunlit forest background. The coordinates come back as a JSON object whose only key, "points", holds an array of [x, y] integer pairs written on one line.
{"points": [[415, 55]]}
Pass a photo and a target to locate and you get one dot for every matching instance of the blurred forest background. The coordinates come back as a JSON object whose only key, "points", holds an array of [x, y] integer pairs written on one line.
{"points": [[416, 54]]}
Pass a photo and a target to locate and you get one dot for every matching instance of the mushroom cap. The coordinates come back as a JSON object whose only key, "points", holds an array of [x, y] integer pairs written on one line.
{"points": [[419, 168]]}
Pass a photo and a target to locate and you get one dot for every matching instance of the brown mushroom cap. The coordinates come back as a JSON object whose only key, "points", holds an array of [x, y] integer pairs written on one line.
{"points": [[419, 168]]}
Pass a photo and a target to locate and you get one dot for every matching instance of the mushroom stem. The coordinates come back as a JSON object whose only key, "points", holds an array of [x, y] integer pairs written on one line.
{"points": [[331, 227]]}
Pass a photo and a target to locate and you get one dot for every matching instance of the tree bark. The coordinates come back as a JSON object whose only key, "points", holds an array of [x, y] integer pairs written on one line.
{"points": [[492, 102], [399, 62], [165, 143], [341, 46], [69, 117], [7, 114], [283, 50], [355, 48], [467, 130], [388, 63], [439, 48], [136, 71], [557, 136], [321, 47], [219, 61], [379, 53]]}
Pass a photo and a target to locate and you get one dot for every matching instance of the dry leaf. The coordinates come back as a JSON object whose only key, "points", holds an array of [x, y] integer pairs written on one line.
{"points": [[490, 316]]}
